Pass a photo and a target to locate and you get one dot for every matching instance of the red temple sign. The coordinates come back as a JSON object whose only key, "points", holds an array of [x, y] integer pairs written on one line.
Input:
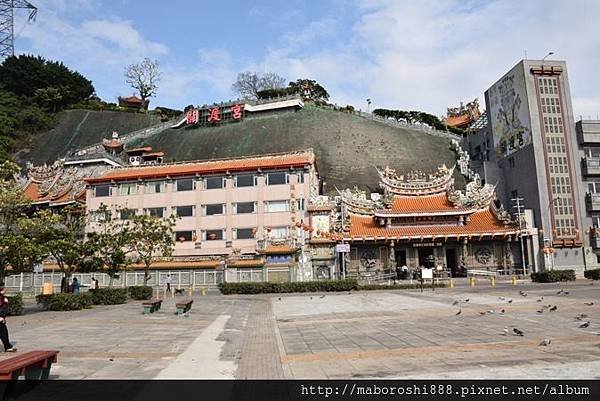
{"points": [[214, 114], [192, 116], [236, 112]]}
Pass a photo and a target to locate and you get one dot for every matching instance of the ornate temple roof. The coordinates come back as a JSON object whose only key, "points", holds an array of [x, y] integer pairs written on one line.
{"points": [[416, 182], [422, 205], [463, 116], [60, 183], [482, 223], [282, 160]]}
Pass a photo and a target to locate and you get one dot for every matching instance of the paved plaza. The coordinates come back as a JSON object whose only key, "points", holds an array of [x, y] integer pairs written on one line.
{"points": [[368, 334]]}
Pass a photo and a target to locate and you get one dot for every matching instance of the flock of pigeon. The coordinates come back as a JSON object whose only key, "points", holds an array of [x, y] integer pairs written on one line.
{"points": [[517, 332]]}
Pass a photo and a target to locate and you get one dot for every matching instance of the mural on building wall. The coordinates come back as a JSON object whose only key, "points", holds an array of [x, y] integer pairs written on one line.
{"points": [[511, 126]]}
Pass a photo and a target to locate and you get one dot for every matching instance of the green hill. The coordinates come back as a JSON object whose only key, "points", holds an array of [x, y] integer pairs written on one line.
{"points": [[348, 147], [80, 128]]}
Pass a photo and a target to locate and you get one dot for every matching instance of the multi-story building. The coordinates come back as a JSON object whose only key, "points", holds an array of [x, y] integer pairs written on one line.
{"points": [[588, 136], [535, 156], [244, 216]]}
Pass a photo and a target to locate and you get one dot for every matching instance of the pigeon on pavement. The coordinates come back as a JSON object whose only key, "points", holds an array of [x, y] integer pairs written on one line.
{"points": [[523, 293], [589, 303], [553, 308], [467, 300], [459, 312], [322, 296], [518, 332], [509, 301], [505, 331], [545, 342], [584, 325]]}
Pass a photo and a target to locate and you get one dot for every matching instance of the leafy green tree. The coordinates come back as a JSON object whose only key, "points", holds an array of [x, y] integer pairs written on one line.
{"points": [[23, 75], [112, 239], [151, 237], [309, 89], [63, 234]]}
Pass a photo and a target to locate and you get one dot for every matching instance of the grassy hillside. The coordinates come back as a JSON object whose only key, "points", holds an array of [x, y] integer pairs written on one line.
{"points": [[348, 147], [80, 128]]}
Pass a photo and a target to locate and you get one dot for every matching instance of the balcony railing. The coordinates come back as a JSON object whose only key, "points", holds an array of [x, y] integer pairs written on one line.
{"points": [[591, 165], [592, 202]]}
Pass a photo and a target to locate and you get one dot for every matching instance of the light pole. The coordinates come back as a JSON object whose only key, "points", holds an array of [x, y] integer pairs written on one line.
{"points": [[368, 105], [547, 55], [551, 203], [519, 206]]}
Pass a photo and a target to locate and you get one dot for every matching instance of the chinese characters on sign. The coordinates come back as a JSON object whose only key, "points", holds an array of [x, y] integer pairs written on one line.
{"points": [[236, 112], [215, 114], [192, 116]]}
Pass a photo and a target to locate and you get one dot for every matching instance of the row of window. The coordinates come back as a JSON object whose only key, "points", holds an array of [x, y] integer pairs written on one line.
{"points": [[548, 86], [550, 105], [191, 184], [219, 234], [565, 227], [210, 209]]}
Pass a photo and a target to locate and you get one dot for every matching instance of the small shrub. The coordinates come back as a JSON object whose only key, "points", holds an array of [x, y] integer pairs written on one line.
{"points": [[413, 286], [300, 286], [553, 276], [15, 304], [593, 274], [65, 301], [109, 296], [140, 292]]}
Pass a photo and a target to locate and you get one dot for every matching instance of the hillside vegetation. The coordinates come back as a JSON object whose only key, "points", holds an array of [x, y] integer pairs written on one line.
{"points": [[81, 128], [348, 147]]}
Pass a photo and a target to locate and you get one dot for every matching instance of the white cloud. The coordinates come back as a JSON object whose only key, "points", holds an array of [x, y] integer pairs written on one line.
{"points": [[123, 34], [432, 55]]}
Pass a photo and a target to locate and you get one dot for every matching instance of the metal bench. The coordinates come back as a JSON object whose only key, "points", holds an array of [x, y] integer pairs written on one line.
{"points": [[183, 306], [33, 365], [151, 305]]}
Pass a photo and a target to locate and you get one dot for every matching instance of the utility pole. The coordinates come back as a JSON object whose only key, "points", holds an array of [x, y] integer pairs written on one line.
{"points": [[519, 205], [7, 24]]}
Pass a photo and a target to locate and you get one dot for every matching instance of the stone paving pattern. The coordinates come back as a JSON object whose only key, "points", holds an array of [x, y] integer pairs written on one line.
{"points": [[374, 334]]}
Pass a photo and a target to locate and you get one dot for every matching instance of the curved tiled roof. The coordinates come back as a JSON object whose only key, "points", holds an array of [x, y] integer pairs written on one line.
{"points": [[480, 223], [284, 160], [422, 205]]}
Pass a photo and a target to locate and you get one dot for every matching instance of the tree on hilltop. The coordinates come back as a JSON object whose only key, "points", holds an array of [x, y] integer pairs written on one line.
{"points": [[143, 77], [249, 84]]}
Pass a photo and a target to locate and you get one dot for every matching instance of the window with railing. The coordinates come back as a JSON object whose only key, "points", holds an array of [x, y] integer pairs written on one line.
{"points": [[128, 189], [277, 206], [246, 180], [277, 178], [212, 235], [185, 211], [214, 209], [244, 207], [155, 187], [214, 182], [155, 211], [185, 184], [244, 233], [101, 191]]}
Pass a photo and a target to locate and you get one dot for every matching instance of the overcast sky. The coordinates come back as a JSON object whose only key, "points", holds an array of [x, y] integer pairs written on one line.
{"points": [[423, 55]]}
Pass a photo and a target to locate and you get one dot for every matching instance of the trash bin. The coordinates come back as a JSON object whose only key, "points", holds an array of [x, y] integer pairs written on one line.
{"points": [[48, 289]]}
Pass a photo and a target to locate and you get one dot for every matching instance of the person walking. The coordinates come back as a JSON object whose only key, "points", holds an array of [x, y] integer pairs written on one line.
{"points": [[3, 313], [75, 285], [169, 282]]}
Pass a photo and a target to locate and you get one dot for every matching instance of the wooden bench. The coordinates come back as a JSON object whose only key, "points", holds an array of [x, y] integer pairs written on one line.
{"points": [[151, 305], [34, 365], [184, 306]]}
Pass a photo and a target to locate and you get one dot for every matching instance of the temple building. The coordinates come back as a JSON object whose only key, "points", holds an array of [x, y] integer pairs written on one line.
{"points": [[463, 116], [247, 218], [421, 221], [133, 102]]}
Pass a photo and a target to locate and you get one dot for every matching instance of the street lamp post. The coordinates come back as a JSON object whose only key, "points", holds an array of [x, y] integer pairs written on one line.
{"points": [[368, 105], [551, 203], [519, 207]]}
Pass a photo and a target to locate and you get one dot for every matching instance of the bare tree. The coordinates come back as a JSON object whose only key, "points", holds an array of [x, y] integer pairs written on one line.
{"points": [[143, 77], [248, 84]]}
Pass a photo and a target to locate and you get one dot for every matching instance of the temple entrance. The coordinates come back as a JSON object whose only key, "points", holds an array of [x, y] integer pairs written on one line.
{"points": [[400, 257], [425, 255], [451, 261]]}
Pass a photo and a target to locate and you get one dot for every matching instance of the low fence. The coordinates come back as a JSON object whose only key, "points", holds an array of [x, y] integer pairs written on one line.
{"points": [[33, 282]]}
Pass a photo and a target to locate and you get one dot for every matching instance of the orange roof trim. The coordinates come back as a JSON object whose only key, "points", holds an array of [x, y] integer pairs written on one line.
{"points": [[297, 159], [480, 223]]}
